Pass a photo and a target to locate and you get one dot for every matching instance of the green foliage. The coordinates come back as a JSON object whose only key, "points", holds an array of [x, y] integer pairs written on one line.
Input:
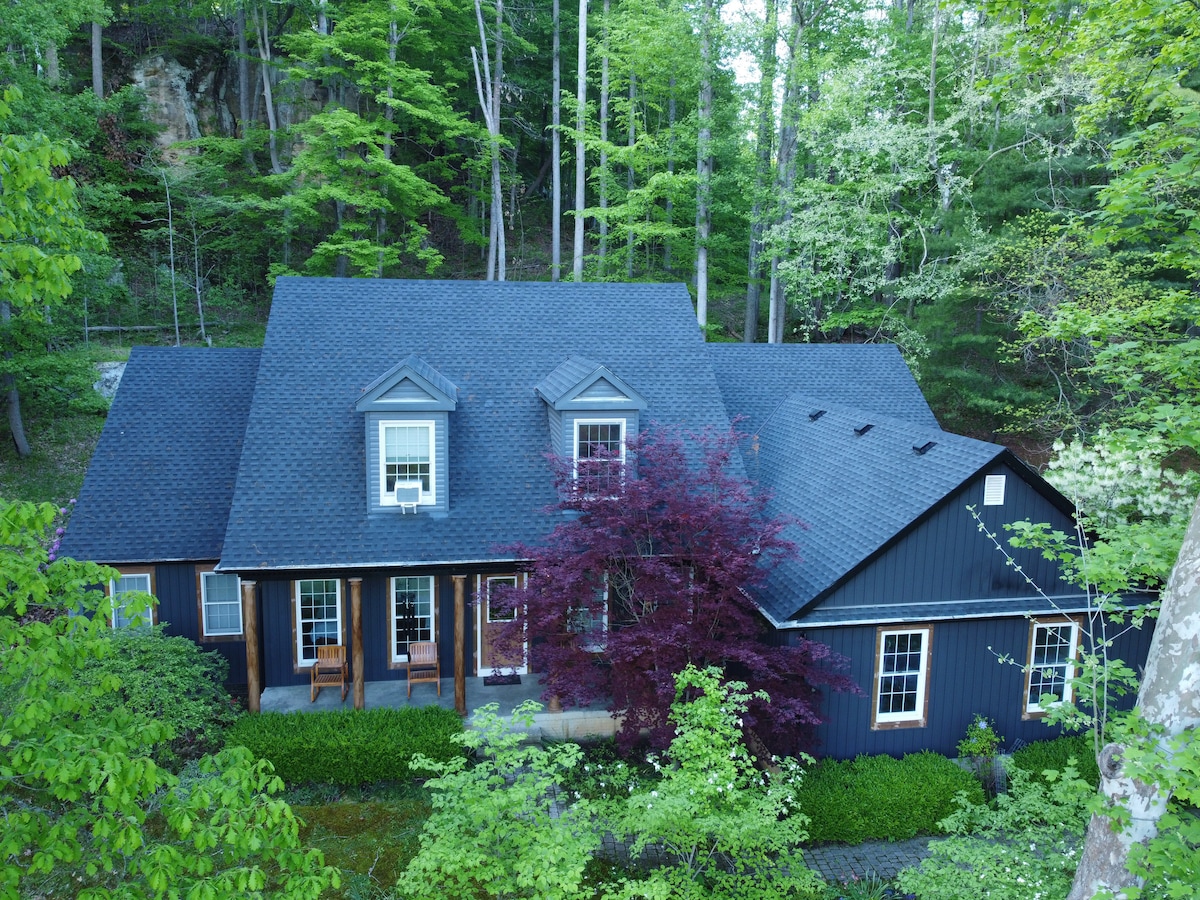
{"points": [[729, 830], [168, 680], [881, 798], [1024, 844], [497, 828], [348, 747], [981, 738], [1056, 755], [87, 811]]}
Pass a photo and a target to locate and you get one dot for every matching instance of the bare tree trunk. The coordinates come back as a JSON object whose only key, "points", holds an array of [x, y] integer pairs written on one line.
{"points": [[602, 250], [196, 285], [264, 55], [51, 64], [1170, 698], [630, 138], [12, 394], [669, 210], [580, 157], [556, 155], [389, 116], [488, 89], [762, 173], [98, 60], [244, 87], [704, 163], [171, 251]]}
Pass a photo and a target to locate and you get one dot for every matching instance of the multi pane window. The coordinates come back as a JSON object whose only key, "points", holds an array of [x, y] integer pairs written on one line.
{"points": [[220, 603], [406, 455], [500, 595], [318, 616], [600, 456], [901, 669], [122, 617], [590, 621], [1051, 663], [412, 613]]}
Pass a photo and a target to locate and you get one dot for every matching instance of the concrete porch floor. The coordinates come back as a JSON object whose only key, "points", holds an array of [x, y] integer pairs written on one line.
{"points": [[571, 724]]}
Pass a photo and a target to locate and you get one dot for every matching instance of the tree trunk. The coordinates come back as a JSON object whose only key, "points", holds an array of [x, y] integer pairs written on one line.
{"points": [[488, 89], [51, 61], [704, 162], [602, 250], [1170, 698], [264, 55], [12, 395], [785, 170], [171, 251], [580, 158], [556, 155], [669, 209], [244, 86], [630, 138], [762, 173], [98, 60]]}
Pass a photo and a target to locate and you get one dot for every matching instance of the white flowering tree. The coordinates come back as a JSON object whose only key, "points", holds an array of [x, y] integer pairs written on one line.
{"points": [[727, 829]]}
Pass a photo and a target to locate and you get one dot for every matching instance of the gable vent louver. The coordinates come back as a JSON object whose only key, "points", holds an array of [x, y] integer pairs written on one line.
{"points": [[924, 448], [863, 429], [815, 414]]}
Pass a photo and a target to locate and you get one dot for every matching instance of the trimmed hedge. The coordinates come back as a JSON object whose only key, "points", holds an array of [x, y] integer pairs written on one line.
{"points": [[1035, 758], [882, 798], [348, 747]]}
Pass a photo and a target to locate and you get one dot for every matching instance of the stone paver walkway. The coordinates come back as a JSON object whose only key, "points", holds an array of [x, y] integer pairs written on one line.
{"points": [[883, 859]]}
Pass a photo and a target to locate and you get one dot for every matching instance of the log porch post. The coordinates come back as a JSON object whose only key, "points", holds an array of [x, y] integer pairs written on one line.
{"points": [[250, 624], [460, 640], [356, 643]]}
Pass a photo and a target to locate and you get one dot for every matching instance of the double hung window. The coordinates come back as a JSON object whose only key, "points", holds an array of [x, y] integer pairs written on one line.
{"points": [[901, 677], [406, 457], [1052, 650], [220, 604], [133, 583], [600, 456]]}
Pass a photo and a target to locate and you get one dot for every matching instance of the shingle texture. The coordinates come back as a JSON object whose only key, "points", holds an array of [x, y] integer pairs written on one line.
{"points": [[301, 490], [161, 480], [853, 491]]}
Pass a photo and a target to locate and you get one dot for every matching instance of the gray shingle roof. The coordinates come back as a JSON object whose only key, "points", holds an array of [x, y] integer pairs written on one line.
{"points": [[161, 480], [854, 491], [301, 492], [756, 378]]}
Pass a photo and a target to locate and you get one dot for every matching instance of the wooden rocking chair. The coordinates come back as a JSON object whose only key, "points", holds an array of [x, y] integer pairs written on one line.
{"points": [[329, 670], [423, 665]]}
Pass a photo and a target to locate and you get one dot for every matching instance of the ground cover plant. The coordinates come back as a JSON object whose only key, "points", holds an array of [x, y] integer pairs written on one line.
{"points": [[881, 798], [1055, 754], [349, 747]]}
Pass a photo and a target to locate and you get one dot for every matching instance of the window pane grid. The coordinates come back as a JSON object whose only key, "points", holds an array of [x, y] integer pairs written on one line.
{"points": [[900, 675], [221, 596], [599, 467], [1051, 663], [412, 613], [406, 455], [496, 613], [320, 617], [128, 584]]}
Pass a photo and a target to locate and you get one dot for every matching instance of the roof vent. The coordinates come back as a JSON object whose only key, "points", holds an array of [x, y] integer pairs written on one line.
{"points": [[864, 429], [924, 448], [815, 414]]}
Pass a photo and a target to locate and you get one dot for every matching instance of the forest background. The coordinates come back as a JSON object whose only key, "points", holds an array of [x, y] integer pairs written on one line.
{"points": [[1006, 190]]}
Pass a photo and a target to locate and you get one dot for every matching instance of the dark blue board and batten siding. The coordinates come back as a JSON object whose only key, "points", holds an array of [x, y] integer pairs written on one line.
{"points": [[966, 677], [944, 572], [277, 601], [176, 588]]}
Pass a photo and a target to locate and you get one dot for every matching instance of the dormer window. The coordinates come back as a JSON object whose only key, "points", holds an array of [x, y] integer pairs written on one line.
{"points": [[407, 462], [599, 456], [407, 427]]}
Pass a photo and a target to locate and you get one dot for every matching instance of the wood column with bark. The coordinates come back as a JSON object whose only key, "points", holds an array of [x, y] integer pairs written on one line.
{"points": [[250, 626], [460, 644], [356, 644]]}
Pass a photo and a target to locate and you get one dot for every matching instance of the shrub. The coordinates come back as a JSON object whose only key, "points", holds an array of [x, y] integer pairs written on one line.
{"points": [[348, 747], [168, 680], [882, 798], [1056, 753]]}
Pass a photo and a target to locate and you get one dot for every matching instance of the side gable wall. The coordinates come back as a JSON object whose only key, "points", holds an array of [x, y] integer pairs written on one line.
{"points": [[945, 558]]}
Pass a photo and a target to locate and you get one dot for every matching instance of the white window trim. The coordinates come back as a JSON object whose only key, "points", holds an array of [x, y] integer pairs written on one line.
{"points": [[619, 420], [433, 602], [118, 608], [205, 630], [513, 581], [993, 490], [916, 716], [301, 659], [1034, 708], [388, 498]]}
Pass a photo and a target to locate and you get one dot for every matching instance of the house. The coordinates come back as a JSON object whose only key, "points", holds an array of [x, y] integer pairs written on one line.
{"points": [[355, 481]]}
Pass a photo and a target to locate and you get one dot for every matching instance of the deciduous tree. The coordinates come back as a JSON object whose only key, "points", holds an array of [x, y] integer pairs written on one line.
{"points": [[635, 585]]}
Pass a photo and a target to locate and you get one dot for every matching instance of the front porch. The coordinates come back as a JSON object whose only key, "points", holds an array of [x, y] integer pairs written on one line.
{"points": [[572, 724]]}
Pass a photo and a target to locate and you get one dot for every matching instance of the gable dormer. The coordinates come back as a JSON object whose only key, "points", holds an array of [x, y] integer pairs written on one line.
{"points": [[407, 426], [590, 409]]}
